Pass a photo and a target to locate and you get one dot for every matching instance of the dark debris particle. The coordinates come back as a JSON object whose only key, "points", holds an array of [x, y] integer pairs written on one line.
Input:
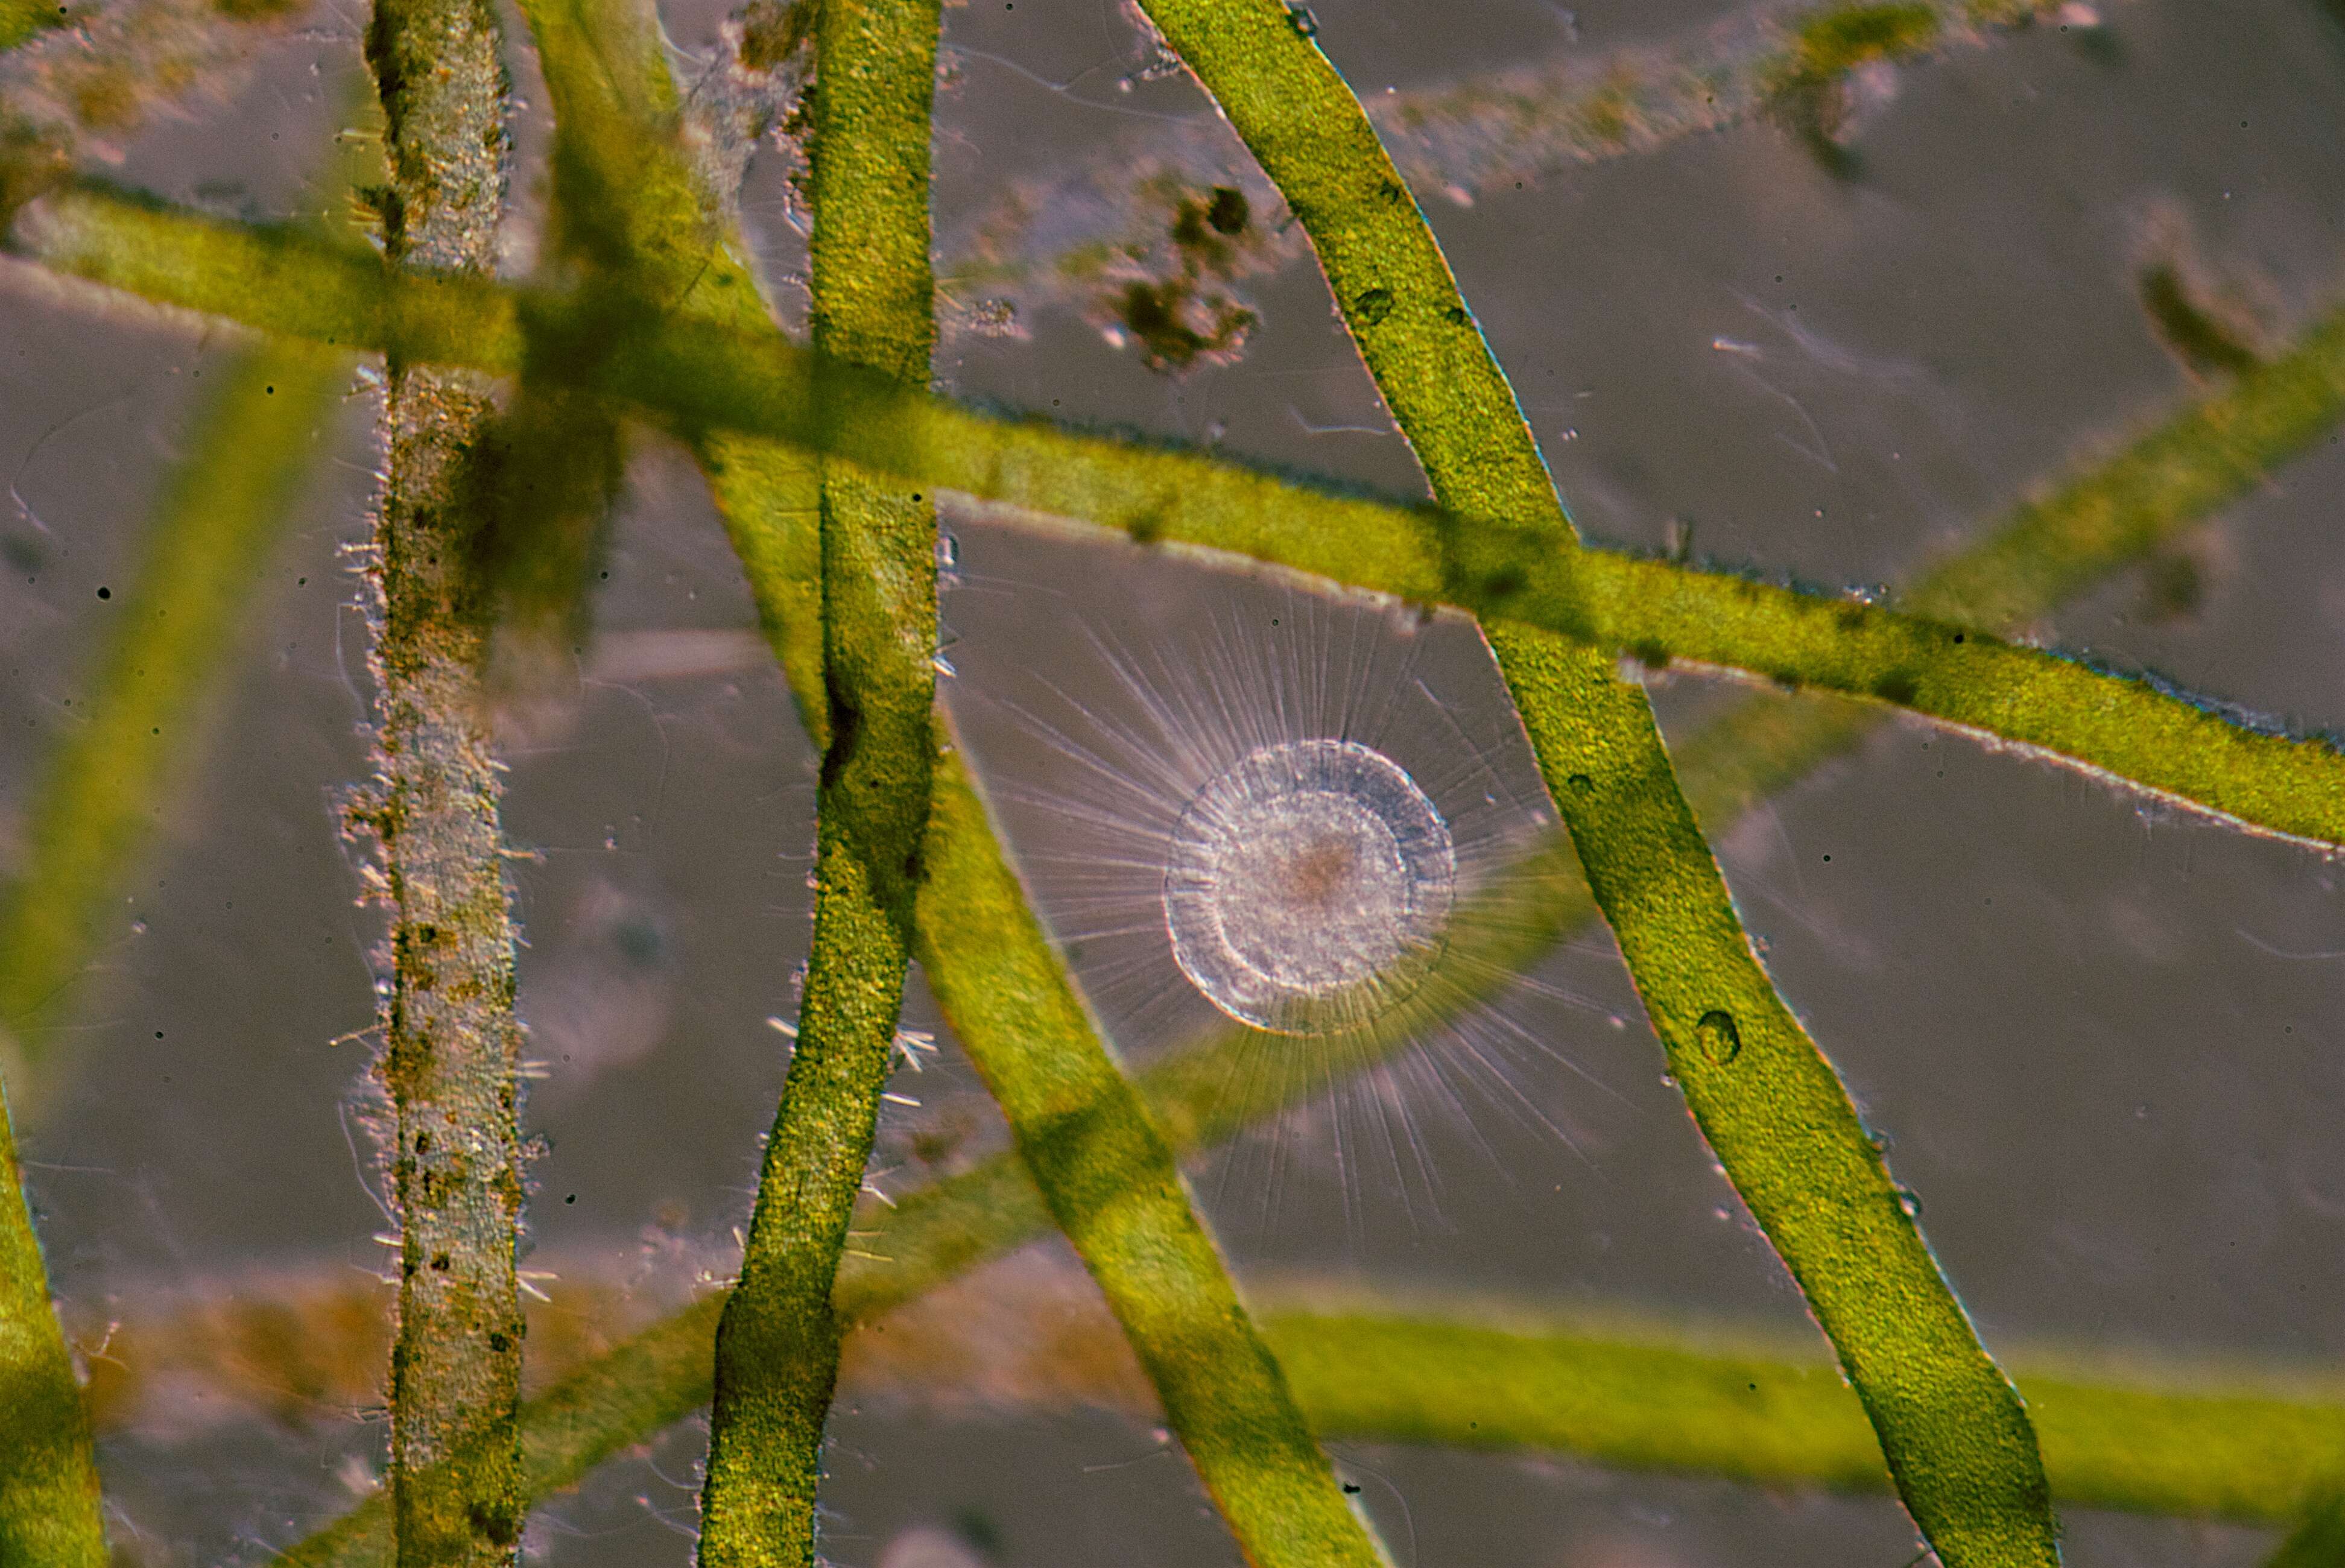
{"points": [[774, 30], [1504, 583], [2198, 337], [1228, 211], [1166, 319]]}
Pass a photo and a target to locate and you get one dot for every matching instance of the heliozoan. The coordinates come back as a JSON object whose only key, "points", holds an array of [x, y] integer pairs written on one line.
{"points": [[1296, 827]]}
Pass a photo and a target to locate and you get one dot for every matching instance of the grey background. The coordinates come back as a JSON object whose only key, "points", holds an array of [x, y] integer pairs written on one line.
{"points": [[2102, 1037]]}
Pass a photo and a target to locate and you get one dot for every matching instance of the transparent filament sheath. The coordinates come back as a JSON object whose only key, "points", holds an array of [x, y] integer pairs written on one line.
{"points": [[1308, 888]]}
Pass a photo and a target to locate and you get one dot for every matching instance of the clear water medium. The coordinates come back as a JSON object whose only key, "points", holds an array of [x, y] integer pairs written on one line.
{"points": [[1308, 888]]}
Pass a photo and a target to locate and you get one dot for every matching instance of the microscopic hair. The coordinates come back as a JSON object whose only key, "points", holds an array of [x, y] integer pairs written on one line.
{"points": [[1249, 809]]}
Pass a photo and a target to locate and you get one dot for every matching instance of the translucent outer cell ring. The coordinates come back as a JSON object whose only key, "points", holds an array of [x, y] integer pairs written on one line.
{"points": [[1308, 888]]}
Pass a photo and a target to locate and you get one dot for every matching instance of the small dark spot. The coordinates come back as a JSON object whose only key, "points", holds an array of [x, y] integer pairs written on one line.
{"points": [[1504, 583], [1580, 783], [500, 1343], [1373, 307], [1958, 639], [1719, 1039], [1897, 686], [846, 730], [106, 594], [440, 1262], [1350, 1489], [1391, 191], [1458, 316], [2206, 343], [1304, 24], [1228, 212], [2173, 586], [571, 1198], [1827, 860]]}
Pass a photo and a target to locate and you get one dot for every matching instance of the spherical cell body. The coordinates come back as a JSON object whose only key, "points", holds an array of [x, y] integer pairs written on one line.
{"points": [[1308, 888]]}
